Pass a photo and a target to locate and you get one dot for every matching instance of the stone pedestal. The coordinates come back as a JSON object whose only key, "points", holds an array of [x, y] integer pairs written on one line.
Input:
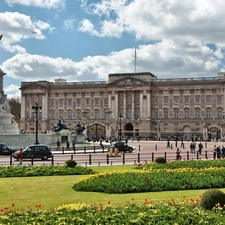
{"points": [[7, 124], [78, 138]]}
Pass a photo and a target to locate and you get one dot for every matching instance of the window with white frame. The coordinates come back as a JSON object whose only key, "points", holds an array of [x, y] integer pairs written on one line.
{"points": [[219, 99], [208, 114], [78, 102], [186, 113], [155, 114], [176, 114], [60, 102], [79, 115], [70, 115], [208, 99], [166, 100], [60, 114], [186, 99], [197, 114], [70, 102], [52, 102], [197, 99], [155, 99], [87, 101], [165, 114], [176, 100], [96, 114], [96, 101]]}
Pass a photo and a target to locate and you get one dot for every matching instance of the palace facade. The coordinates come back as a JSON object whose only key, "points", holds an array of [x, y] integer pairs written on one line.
{"points": [[128, 104]]}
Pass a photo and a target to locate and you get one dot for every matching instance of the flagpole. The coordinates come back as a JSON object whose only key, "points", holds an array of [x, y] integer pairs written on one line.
{"points": [[135, 60]]}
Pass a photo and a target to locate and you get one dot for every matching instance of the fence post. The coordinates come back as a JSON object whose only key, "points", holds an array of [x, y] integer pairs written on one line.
{"points": [[103, 148], [52, 160], [139, 148], [72, 157], [197, 155], [187, 155], [165, 155], [153, 157], [63, 150], [138, 157], [89, 159], [84, 149], [107, 159], [155, 147], [123, 158]]}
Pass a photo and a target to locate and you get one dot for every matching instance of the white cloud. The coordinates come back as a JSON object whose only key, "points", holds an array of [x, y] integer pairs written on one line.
{"points": [[12, 91], [156, 20], [55, 4], [164, 59], [16, 27], [69, 24]]}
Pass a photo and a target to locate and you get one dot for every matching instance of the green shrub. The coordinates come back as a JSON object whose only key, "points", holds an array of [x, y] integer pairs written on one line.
{"points": [[211, 198], [70, 163], [160, 160]]}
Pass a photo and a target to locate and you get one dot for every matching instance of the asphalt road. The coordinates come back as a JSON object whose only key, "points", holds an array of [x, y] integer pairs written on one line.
{"points": [[145, 151]]}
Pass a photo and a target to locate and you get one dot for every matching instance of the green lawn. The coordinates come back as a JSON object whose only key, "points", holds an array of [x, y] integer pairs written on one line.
{"points": [[53, 191]]}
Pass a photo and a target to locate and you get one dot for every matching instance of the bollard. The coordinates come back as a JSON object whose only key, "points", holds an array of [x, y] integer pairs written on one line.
{"points": [[153, 157], [10, 160], [123, 158], [205, 144], [71, 157], [171, 146], [197, 155], [187, 155], [139, 147], [206, 155], [32, 161], [63, 150], [84, 149], [94, 149], [107, 159], [155, 147], [138, 157], [52, 160], [89, 159], [165, 155]]}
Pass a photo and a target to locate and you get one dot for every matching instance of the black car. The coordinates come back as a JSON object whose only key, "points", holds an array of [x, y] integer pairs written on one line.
{"points": [[121, 146], [35, 151], [6, 150]]}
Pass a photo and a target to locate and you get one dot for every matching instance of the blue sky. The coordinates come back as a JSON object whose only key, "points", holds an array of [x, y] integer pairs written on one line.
{"points": [[85, 40]]}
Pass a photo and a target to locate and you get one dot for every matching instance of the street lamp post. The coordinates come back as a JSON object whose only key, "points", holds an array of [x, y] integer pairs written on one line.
{"points": [[120, 133], [35, 108]]}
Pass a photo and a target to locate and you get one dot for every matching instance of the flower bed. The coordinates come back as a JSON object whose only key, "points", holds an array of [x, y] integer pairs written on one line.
{"points": [[158, 177], [27, 171], [173, 212]]}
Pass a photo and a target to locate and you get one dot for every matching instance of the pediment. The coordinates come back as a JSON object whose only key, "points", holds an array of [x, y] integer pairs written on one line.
{"points": [[128, 81]]}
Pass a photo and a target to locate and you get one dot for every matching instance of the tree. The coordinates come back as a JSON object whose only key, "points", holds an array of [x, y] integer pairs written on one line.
{"points": [[15, 106]]}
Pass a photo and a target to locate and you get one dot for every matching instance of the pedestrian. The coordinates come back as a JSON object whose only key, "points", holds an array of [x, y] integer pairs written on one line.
{"points": [[58, 145], [73, 143], [223, 152], [178, 156], [20, 157], [214, 152], [168, 144], [200, 147]]}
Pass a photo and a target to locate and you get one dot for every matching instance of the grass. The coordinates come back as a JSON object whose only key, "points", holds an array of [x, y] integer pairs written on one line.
{"points": [[53, 191]]}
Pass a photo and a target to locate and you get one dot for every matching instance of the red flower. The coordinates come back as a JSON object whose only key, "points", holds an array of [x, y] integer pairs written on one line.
{"points": [[100, 204], [13, 205], [132, 199], [140, 209], [101, 209], [109, 202], [16, 219]]}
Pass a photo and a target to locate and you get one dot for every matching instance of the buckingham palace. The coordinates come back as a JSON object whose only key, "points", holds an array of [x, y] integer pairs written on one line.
{"points": [[128, 104]]}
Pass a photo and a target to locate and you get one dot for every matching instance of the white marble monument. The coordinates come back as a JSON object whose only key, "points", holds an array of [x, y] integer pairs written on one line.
{"points": [[7, 124]]}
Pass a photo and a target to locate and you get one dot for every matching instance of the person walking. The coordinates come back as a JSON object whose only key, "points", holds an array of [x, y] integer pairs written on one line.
{"points": [[200, 147], [58, 145], [73, 144], [20, 157]]}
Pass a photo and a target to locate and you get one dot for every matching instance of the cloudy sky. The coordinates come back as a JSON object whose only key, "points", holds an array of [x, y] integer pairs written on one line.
{"points": [[85, 40]]}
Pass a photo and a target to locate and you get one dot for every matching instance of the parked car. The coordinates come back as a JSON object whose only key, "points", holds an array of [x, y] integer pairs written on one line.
{"points": [[6, 150], [35, 151], [121, 146]]}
